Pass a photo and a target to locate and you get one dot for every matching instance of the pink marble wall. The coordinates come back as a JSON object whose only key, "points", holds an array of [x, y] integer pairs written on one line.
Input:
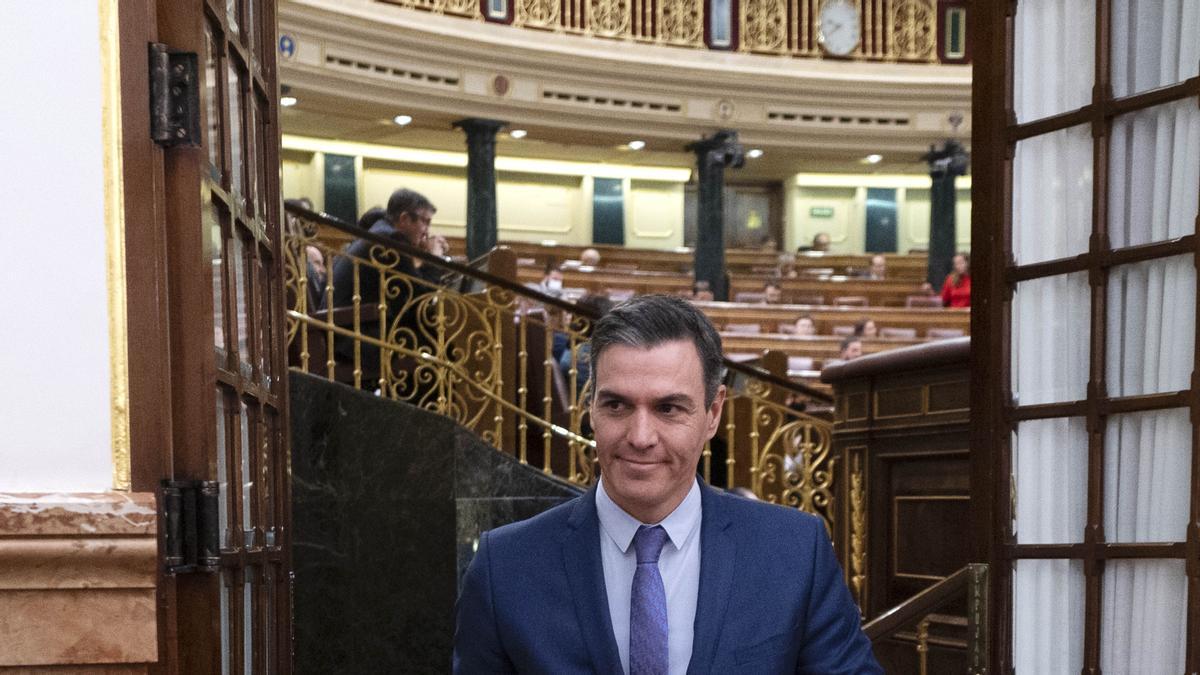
{"points": [[77, 583]]}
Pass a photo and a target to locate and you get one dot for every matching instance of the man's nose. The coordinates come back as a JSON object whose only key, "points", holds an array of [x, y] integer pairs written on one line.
{"points": [[643, 430]]}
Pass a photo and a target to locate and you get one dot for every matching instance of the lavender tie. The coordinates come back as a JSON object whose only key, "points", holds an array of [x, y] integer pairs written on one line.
{"points": [[648, 606]]}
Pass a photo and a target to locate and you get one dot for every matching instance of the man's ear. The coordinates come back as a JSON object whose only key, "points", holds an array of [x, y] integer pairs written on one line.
{"points": [[714, 412]]}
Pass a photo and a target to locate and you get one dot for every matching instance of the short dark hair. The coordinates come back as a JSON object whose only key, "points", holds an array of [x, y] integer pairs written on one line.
{"points": [[551, 265], [650, 320], [370, 217], [593, 304], [861, 325], [405, 201], [849, 340]]}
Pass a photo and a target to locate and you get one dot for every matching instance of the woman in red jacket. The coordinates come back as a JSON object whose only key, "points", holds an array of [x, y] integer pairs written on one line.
{"points": [[956, 290]]}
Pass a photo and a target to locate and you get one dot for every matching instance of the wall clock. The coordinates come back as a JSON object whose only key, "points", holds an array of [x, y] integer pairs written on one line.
{"points": [[840, 27]]}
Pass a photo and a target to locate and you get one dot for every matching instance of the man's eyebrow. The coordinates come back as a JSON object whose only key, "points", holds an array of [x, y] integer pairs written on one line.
{"points": [[677, 399]]}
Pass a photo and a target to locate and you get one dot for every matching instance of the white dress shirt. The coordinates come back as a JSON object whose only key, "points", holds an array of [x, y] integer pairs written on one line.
{"points": [[679, 566]]}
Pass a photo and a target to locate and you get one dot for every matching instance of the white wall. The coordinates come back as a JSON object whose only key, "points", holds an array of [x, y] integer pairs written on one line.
{"points": [[653, 214], [55, 412], [535, 200], [846, 195]]}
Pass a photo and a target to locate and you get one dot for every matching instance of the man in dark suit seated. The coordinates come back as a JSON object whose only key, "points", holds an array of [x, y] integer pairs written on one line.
{"points": [[653, 571], [406, 220]]}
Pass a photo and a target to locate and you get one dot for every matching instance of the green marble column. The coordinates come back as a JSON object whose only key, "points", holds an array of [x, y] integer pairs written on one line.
{"points": [[481, 184], [945, 165], [713, 154]]}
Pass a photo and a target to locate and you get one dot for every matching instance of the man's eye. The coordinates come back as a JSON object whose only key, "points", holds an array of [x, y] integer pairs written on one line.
{"points": [[612, 406], [669, 408]]}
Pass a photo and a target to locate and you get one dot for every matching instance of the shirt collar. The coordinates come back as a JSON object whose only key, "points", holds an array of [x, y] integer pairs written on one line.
{"points": [[620, 526]]}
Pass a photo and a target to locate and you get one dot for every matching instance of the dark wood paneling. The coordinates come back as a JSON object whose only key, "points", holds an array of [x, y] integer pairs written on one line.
{"points": [[901, 439]]}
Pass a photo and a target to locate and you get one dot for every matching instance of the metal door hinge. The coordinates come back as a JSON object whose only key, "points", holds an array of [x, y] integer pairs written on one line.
{"points": [[174, 97], [190, 526]]}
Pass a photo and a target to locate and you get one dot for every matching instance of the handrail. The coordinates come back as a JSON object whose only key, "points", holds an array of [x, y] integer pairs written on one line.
{"points": [[519, 289], [974, 580], [500, 360], [917, 606]]}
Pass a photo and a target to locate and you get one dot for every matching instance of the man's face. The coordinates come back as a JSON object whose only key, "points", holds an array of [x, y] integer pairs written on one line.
{"points": [[821, 242], [651, 424], [878, 266], [415, 225], [852, 351], [772, 294]]}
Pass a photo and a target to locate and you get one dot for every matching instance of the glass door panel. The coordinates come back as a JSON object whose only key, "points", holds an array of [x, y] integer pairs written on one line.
{"points": [[1050, 471]]}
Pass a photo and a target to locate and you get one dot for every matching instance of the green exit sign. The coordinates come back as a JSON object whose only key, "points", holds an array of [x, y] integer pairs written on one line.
{"points": [[821, 212]]}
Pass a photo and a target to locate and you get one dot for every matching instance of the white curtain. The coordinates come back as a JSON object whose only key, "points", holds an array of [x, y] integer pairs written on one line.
{"points": [[1153, 172], [1051, 335], [1154, 43], [1054, 57], [1052, 195], [1050, 466], [1050, 338], [1048, 598], [1143, 618], [1154, 167]]}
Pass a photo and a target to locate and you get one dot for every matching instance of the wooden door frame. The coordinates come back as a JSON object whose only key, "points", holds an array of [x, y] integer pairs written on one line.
{"points": [[171, 362], [989, 340]]}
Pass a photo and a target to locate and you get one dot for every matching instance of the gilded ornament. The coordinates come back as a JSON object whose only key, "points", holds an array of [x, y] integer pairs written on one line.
{"points": [[915, 33], [764, 25]]}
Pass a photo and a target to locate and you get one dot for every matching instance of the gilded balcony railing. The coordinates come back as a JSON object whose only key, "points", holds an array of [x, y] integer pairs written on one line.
{"points": [[890, 30], [509, 363]]}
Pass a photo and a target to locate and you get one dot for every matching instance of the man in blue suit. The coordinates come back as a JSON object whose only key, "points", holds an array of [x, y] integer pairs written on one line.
{"points": [[652, 572]]}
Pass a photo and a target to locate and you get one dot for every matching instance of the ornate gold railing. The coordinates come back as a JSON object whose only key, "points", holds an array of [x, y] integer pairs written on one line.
{"points": [[891, 30], [470, 343]]}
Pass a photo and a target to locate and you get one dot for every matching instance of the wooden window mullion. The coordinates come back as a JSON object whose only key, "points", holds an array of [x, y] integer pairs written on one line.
{"points": [[1192, 653], [1098, 244]]}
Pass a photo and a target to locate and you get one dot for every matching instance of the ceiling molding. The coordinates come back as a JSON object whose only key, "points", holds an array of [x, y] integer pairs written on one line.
{"points": [[367, 59]]}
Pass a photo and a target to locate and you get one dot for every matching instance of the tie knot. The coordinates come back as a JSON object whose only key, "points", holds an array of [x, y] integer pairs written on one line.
{"points": [[648, 542]]}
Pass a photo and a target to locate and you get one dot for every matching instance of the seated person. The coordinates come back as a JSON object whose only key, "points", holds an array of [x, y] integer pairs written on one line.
{"points": [[701, 291], [590, 257], [552, 280], [820, 244], [805, 326], [406, 220], [956, 290], [772, 292], [865, 327], [599, 305], [851, 348], [787, 266], [316, 276], [878, 269]]}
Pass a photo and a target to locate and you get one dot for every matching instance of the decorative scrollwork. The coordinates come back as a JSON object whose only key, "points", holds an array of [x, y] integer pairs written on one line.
{"points": [[790, 453], [764, 25], [537, 13], [915, 34], [681, 22], [486, 359], [858, 528], [609, 18]]}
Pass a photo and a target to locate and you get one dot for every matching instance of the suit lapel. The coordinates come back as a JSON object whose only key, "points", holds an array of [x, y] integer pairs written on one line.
{"points": [[585, 572], [717, 563]]}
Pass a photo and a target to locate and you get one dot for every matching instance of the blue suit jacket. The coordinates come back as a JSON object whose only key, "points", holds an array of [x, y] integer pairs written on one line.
{"points": [[771, 598]]}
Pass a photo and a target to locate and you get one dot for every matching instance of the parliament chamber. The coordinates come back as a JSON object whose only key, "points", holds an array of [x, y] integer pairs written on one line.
{"points": [[326, 341]]}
